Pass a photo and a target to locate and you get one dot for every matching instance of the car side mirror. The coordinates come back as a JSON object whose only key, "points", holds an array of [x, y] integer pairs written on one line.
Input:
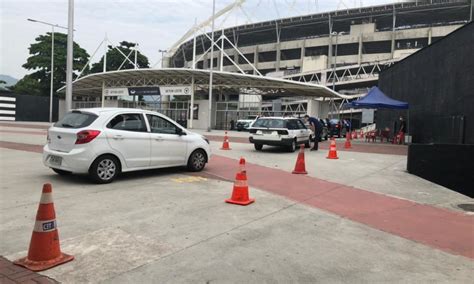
{"points": [[180, 131]]}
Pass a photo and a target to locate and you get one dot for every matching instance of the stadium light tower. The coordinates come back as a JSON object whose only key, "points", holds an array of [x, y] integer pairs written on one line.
{"points": [[52, 63]]}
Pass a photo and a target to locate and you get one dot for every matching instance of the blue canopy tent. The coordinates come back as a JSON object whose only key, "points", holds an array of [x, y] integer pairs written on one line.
{"points": [[376, 99]]}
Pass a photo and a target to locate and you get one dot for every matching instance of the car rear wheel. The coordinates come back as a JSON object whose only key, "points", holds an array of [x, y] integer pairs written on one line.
{"points": [[197, 161], [104, 169], [292, 147], [61, 172], [258, 147]]}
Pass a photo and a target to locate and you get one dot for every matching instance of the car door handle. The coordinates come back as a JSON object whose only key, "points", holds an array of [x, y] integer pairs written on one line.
{"points": [[158, 139], [118, 137]]}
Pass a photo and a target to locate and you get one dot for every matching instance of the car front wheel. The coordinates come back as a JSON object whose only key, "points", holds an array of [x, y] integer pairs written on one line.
{"points": [[197, 161], [104, 169]]}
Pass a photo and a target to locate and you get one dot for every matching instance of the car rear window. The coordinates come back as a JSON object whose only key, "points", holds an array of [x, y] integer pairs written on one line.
{"points": [[76, 119], [270, 123]]}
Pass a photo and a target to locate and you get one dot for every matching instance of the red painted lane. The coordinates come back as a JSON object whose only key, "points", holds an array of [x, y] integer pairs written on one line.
{"points": [[21, 147], [358, 146], [439, 228]]}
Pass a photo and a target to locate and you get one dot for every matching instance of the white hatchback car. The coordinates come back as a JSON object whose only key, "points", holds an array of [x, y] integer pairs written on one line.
{"points": [[279, 131], [104, 142]]}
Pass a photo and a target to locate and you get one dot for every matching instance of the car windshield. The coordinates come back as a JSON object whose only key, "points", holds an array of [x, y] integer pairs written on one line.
{"points": [[76, 119], [270, 123]]}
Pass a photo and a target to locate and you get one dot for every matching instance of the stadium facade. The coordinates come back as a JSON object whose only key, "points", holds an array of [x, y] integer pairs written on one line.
{"points": [[344, 49]]}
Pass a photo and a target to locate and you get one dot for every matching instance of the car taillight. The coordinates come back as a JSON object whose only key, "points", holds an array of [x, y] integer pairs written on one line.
{"points": [[86, 136], [282, 132]]}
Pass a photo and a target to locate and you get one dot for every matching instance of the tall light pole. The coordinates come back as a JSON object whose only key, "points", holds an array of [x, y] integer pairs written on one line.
{"points": [[163, 51], [69, 56], [52, 63], [212, 67]]}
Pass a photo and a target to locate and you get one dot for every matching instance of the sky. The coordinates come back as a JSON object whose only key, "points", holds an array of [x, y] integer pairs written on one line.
{"points": [[153, 24]]}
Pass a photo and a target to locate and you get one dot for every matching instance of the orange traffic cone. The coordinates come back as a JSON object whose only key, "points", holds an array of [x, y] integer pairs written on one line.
{"points": [[225, 144], [44, 251], [332, 150], [240, 193], [300, 167], [348, 145]]}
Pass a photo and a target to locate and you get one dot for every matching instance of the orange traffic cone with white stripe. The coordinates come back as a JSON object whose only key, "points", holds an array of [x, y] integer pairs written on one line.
{"points": [[44, 251], [240, 193], [225, 144], [300, 167], [332, 150], [348, 144]]}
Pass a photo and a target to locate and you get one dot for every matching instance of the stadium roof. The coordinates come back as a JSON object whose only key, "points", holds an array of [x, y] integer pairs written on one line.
{"points": [[92, 84]]}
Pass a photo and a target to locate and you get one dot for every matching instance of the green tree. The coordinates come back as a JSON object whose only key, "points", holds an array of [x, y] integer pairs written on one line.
{"points": [[40, 62], [115, 58], [28, 86]]}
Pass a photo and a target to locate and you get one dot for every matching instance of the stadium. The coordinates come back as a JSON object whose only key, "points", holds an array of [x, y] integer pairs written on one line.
{"points": [[343, 50]]}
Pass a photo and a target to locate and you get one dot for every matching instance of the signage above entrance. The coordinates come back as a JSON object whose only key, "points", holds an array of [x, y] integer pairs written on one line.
{"points": [[144, 91], [149, 91], [176, 90], [115, 92]]}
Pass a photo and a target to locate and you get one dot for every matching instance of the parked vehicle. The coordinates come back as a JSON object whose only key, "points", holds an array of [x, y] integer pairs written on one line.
{"points": [[104, 142], [245, 124], [279, 131], [336, 128]]}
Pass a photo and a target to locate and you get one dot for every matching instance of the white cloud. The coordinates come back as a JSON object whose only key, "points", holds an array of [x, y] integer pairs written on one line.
{"points": [[154, 24]]}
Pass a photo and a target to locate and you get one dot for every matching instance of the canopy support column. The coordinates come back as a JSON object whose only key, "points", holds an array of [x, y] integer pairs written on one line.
{"points": [[191, 110], [103, 93]]}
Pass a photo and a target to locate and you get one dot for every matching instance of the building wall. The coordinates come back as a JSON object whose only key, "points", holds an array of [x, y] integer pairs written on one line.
{"points": [[438, 83]]}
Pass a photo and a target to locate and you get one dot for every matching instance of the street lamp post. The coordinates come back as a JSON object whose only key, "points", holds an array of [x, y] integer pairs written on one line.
{"points": [[163, 51], [52, 64]]}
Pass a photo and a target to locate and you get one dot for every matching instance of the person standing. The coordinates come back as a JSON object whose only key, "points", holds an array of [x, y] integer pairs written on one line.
{"points": [[400, 138], [316, 127], [403, 125]]}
